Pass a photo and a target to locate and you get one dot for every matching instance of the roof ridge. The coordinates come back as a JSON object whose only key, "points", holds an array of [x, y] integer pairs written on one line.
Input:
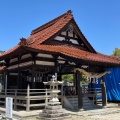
{"points": [[69, 12]]}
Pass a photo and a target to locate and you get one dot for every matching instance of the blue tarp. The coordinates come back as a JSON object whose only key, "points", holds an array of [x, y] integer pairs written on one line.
{"points": [[112, 81], [97, 85]]}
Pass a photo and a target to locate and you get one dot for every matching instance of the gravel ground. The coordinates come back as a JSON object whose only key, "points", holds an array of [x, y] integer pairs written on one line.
{"points": [[112, 116], [112, 112], [115, 116]]}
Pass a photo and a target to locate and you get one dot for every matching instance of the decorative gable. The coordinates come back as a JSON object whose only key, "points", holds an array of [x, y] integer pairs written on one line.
{"points": [[69, 36]]}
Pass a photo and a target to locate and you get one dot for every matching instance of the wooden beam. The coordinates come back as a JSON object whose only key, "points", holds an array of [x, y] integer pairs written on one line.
{"points": [[44, 59], [26, 59], [19, 82], [45, 63], [69, 37]]}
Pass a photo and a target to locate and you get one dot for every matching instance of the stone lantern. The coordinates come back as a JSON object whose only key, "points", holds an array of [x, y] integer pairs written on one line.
{"points": [[53, 83], [53, 111]]}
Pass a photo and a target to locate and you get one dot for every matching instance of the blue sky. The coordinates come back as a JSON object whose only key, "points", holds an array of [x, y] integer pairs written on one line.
{"points": [[99, 20]]}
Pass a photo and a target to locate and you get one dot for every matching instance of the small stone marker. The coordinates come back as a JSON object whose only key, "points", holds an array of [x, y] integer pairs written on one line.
{"points": [[9, 107]]}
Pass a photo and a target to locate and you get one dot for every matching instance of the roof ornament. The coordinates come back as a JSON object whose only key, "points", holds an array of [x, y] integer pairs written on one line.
{"points": [[69, 12], [23, 41]]}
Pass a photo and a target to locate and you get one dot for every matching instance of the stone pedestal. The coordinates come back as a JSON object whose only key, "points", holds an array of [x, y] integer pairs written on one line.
{"points": [[54, 97], [54, 113]]}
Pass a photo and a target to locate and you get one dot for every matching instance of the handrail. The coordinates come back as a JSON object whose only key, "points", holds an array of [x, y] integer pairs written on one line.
{"points": [[92, 93], [69, 90]]}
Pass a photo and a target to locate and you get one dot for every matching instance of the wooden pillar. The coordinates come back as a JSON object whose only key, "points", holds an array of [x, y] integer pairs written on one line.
{"points": [[4, 78], [33, 77], [19, 82], [75, 83], [103, 86], [7, 74], [60, 76], [79, 89], [19, 79], [7, 80], [91, 85], [33, 86], [56, 68]]}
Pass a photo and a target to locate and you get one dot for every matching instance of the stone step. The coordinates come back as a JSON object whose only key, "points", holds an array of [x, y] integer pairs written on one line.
{"points": [[71, 99], [99, 100], [87, 103]]}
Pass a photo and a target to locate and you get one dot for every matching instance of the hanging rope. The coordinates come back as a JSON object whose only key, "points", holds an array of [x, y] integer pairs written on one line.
{"points": [[92, 75]]}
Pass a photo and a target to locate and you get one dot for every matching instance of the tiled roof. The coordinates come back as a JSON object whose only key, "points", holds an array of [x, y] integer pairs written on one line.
{"points": [[45, 32], [51, 29], [77, 53], [10, 51], [49, 23]]}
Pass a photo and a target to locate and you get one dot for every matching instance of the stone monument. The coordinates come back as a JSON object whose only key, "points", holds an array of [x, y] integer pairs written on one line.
{"points": [[53, 111]]}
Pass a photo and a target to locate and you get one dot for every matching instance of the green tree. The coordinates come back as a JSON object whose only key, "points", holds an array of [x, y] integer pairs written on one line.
{"points": [[84, 78], [67, 78], [116, 52], [70, 78]]}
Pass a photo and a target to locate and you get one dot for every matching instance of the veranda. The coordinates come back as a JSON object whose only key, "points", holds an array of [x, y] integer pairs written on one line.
{"points": [[34, 98]]}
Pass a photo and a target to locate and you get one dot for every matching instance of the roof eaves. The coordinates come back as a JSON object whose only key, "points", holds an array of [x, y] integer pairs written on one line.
{"points": [[9, 52]]}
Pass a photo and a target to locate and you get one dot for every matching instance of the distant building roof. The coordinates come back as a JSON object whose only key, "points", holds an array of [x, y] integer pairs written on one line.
{"points": [[1, 52]]}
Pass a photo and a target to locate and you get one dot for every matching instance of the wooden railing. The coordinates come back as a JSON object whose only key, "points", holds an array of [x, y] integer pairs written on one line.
{"points": [[26, 97], [69, 90], [91, 93]]}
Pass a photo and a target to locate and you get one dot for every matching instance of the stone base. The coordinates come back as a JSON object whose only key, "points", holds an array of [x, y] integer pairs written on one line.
{"points": [[50, 107], [59, 118], [54, 103], [54, 113]]}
